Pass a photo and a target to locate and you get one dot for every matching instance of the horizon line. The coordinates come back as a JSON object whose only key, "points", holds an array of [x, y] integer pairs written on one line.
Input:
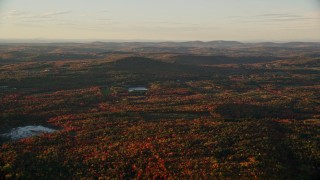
{"points": [[62, 40]]}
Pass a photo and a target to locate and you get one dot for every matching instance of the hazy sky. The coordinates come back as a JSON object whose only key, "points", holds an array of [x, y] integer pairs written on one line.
{"points": [[244, 20]]}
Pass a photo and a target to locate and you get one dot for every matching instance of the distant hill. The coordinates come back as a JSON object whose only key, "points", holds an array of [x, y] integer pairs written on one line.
{"points": [[216, 44], [150, 66], [100, 49], [211, 60]]}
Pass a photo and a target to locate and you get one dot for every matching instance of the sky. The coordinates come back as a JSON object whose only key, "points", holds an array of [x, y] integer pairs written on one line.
{"points": [[161, 20]]}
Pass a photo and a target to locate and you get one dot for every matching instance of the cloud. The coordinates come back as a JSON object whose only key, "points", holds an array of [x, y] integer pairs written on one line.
{"points": [[283, 17], [23, 15], [279, 15], [171, 23], [105, 11], [16, 14], [272, 17], [56, 13], [104, 19]]}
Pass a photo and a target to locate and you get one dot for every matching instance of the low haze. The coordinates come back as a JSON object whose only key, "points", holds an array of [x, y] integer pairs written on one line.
{"points": [[178, 20]]}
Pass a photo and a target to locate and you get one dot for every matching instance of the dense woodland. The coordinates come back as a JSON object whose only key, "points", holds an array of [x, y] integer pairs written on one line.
{"points": [[225, 111]]}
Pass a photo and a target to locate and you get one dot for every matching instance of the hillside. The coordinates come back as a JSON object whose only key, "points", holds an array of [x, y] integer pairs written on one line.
{"points": [[106, 110]]}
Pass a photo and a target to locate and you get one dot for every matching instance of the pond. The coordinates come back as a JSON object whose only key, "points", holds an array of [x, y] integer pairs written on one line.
{"points": [[27, 131], [131, 89]]}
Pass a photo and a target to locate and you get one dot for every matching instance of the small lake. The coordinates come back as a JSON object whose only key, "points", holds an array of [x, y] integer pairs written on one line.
{"points": [[137, 89], [27, 131]]}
